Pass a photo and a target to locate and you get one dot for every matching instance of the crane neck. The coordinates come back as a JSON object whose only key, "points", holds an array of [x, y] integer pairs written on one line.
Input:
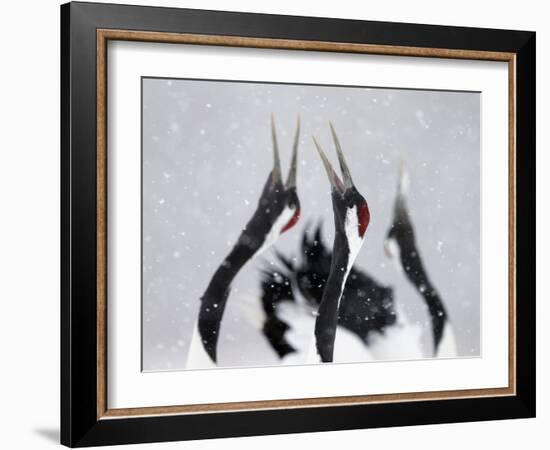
{"points": [[327, 320]]}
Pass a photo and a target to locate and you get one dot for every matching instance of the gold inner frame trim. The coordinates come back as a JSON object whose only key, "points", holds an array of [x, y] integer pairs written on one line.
{"points": [[104, 35]]}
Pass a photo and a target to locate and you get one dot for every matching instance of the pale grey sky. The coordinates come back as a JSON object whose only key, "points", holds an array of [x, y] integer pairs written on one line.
{"points": [[207, 153]]}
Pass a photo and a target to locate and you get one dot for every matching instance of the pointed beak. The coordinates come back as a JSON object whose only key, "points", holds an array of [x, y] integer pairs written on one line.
{"points": [[291, 180], [335, 181], [346, 175], [404, 181], [400, 204], [276, 176]]}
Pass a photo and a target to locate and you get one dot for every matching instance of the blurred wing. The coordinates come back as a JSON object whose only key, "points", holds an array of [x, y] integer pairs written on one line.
{"points": [[402, 341], [348, 347], [250, 308]]}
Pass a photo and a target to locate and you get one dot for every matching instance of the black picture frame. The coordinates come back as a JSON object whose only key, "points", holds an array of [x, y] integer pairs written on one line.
{"points": [[80, 425]]}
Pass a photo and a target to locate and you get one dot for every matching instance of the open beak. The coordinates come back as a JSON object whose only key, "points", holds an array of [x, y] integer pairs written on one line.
{"points": [[276, 175], [291, 180], [346, 175], [340, 185], [400, 207], [404, 181]]}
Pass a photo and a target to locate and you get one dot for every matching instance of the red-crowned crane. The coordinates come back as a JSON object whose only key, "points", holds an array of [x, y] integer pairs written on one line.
{"points": [[368, 311], [401, 246], [351, 219], [278, 210]]}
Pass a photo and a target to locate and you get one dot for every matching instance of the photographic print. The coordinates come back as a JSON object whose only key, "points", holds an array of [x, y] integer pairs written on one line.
{"points": [[304, 224], [292, 201]]}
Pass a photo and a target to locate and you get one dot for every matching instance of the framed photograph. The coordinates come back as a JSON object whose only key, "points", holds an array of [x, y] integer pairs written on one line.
{"points": [[276, 224]]}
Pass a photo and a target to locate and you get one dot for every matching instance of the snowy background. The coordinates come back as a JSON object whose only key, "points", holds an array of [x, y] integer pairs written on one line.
{"points": [[207, 153]]}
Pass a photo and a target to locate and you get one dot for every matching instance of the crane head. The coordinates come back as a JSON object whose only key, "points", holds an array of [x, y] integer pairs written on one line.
{"points": [[281, 197], [279, 206], [351, 210]]}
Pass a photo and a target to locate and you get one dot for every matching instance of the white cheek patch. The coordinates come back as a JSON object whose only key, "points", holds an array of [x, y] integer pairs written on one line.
{"points": [[277, 228], [355, 241]]}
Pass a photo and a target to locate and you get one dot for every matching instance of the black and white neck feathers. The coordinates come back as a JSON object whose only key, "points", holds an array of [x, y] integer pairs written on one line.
{"points": [[366, 306], [401, 245], [351, 219], [277, 211]]}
